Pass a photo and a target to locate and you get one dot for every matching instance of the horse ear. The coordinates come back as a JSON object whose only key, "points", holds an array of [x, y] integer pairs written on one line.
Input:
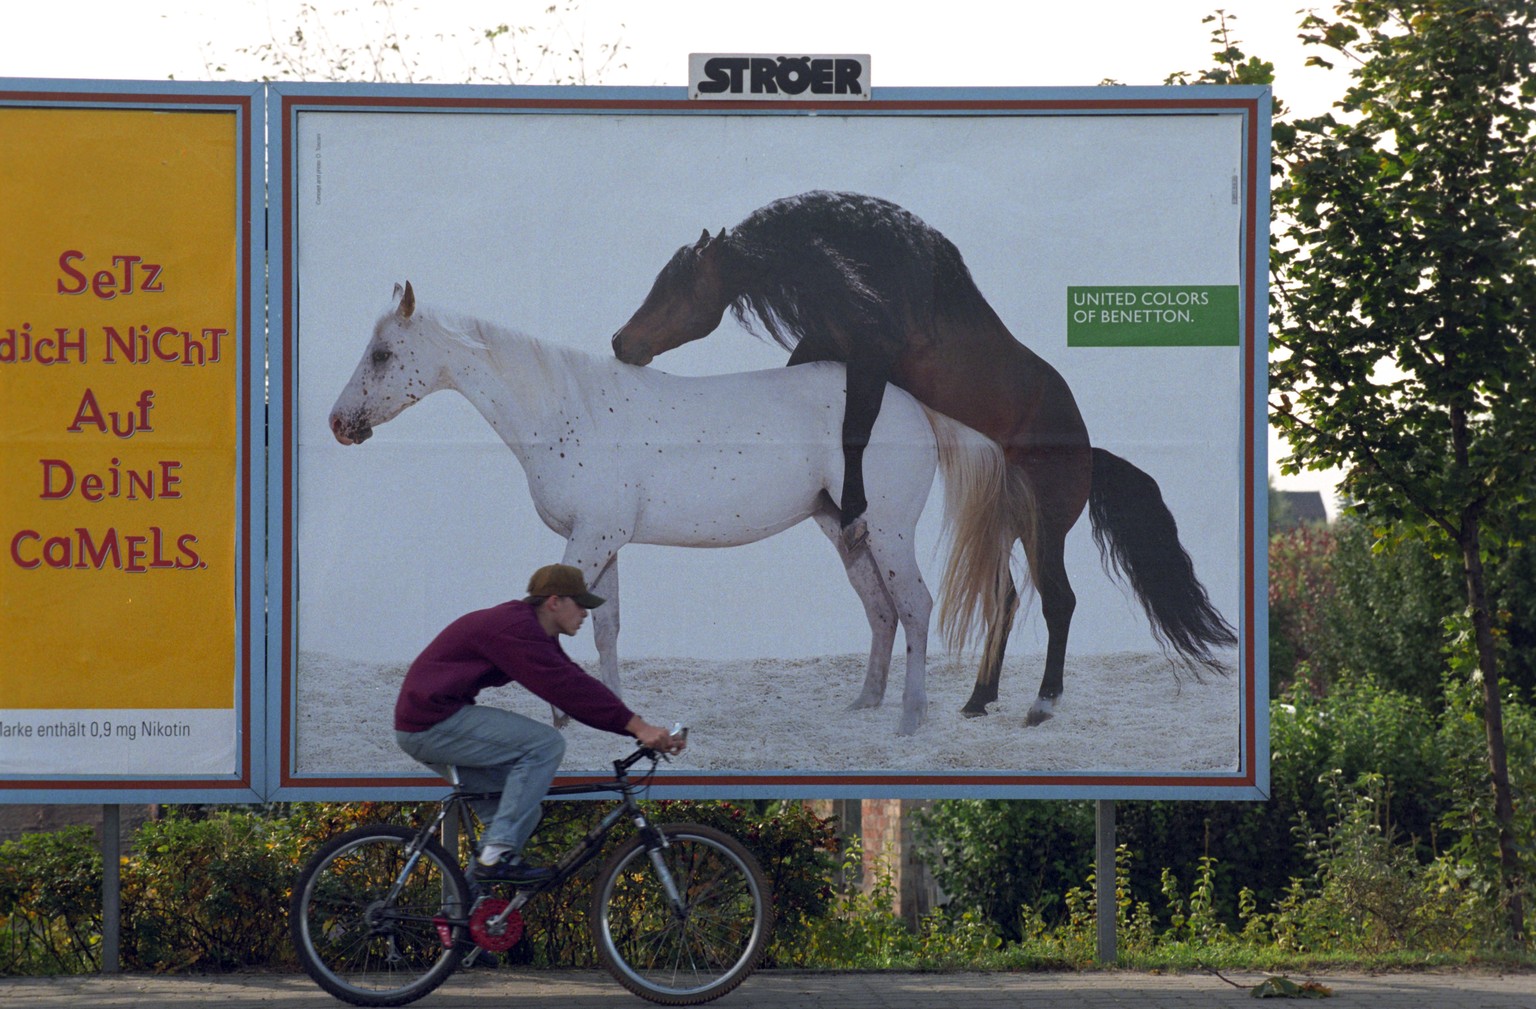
{"points": [[407, 302], [707, 244]]}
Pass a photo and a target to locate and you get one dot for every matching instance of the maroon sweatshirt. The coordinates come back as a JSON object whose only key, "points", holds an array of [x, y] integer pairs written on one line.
{"points": [[493, 647]]}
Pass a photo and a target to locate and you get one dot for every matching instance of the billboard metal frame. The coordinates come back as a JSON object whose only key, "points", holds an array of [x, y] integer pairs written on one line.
{"points": [[245, 102], [287, 102]]}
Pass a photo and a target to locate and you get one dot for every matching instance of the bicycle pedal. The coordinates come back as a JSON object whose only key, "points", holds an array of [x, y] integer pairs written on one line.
{"points": [[481, 958]]}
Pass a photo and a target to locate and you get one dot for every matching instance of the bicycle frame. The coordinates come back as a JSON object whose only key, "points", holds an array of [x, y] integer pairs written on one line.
{"points": [[458, 804]]}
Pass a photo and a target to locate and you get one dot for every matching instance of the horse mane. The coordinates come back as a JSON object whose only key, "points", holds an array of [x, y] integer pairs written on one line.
{"points": [[541, 375], [844, 266]]}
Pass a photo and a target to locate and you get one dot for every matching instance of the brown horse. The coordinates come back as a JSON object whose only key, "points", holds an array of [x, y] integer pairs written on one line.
{"points": [[857, 279]]}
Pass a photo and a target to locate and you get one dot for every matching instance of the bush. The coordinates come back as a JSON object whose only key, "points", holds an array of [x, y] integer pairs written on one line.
{"points": [[995, 857], [1015, 863], [1300, 590], [860, 930], [1384, 597], [205, 894], [1369, 893], [1362, 598], [50, 903], [1386, 613], [1360, 728], [1468, 862], [209, 891]]}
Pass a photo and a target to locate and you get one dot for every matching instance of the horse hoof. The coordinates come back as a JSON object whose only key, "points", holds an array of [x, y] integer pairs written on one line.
{"points": [[976, 712], [856, 535], [1036, 716], [909, 725], [861, 703]]}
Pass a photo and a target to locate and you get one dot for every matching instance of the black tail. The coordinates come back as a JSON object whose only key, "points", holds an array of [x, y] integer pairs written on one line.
{"points": [[1138, 537]]}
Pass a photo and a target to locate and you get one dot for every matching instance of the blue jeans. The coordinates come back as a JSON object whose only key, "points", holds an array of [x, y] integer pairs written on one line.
{"points": [[495, 750]]}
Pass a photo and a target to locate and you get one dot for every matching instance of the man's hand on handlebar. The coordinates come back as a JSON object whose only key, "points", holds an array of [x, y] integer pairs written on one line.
{"points": [[655, 737]]}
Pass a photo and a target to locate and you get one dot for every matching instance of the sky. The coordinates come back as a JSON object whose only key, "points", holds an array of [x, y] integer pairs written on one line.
{"points": [[977, 43]]}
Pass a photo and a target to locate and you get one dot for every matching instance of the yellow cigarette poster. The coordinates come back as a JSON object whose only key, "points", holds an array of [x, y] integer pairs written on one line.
{"points": [[119, 427]]}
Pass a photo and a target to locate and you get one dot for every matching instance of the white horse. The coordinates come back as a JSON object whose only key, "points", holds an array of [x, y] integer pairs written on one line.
{"points": [[617, 454]]}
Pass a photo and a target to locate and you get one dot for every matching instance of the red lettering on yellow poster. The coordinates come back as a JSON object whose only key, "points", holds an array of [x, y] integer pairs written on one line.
{"points": [[119, 283]]}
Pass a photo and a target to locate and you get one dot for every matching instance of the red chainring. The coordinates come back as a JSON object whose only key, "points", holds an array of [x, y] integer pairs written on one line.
{"points": [[480, 927]]}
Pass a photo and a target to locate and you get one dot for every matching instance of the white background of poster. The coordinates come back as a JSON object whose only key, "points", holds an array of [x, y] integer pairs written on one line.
{"points": [[557, 224]]}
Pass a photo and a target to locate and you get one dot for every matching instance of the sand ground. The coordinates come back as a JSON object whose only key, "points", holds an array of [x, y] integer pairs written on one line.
{"points": [[1121, 712]]}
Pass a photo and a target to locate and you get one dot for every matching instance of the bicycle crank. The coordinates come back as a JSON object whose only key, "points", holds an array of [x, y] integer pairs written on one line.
{"points": [[487, 933]]}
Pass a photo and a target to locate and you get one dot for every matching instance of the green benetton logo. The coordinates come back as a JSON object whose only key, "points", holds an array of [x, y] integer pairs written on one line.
{"points": [[1163, 316]]}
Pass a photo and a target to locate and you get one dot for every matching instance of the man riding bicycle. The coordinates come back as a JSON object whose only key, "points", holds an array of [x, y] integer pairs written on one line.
{"points": [[438, 722]]}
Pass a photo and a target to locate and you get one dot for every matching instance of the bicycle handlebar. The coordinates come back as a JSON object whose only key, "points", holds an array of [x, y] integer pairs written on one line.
{"points": [[642, 752]]}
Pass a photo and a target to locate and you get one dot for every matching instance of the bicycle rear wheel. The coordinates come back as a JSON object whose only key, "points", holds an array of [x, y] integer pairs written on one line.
{"points": [[363, 946], [691, 954]]}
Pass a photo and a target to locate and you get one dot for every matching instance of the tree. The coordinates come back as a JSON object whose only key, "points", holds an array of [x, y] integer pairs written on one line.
{"points": [[363, 41], [1404, 310]]}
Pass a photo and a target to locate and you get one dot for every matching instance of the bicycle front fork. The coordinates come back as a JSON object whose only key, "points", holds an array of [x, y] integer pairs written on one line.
{"points": [[655, 844]]}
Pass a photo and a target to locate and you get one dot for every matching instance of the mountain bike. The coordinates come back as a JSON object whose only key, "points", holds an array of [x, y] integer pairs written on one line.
{"points": [[680, 914]]}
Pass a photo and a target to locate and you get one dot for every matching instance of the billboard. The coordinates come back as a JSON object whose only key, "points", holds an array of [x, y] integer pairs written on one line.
{"points": [[1106, 329], [130, 438]]}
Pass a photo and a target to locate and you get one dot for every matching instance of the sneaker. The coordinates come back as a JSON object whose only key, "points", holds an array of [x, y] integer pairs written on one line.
{"points": [[510, 868]]}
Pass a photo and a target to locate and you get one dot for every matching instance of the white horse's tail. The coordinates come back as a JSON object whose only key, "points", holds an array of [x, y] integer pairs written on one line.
{"points": [[987, 508]]}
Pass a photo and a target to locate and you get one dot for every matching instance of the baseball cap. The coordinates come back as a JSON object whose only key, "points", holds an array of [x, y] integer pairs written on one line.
{"points": [[563, 580]]}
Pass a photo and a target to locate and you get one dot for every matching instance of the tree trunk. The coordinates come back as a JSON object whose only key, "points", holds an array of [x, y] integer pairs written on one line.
{"points": [[1493, 721]]}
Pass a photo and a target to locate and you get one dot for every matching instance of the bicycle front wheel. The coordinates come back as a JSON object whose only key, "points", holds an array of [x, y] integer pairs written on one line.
{"points": [[699, 946], [367, 931]]}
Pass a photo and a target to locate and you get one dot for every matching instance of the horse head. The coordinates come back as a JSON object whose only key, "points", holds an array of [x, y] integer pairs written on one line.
{"points": [[391, 375], [686, 302]]}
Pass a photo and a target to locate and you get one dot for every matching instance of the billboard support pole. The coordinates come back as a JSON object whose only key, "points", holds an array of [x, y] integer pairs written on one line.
{"points": [[1104, 835], [111, 888]]}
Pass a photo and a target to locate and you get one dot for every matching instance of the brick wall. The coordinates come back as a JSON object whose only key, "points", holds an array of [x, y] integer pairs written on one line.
{"points": [[888, 840], [885, 826]]}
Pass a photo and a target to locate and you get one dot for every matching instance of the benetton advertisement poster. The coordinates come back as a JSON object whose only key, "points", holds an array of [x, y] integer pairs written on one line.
{"points": [[993, 530]]}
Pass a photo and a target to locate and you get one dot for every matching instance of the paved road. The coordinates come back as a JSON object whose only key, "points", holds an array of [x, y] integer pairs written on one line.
{"points": [[506, 989]]}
